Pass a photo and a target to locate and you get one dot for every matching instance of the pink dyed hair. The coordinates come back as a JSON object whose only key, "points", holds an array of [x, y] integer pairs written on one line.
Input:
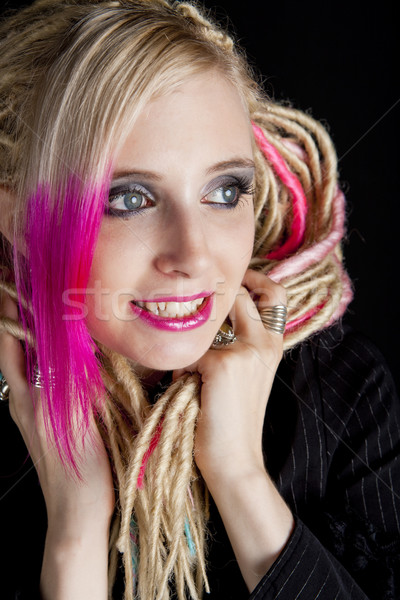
{"points": [[299, 201], [62, 231], [293, 258]]}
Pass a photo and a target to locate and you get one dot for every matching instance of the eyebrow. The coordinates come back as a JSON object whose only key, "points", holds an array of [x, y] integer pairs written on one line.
{"points": [[234, 163], [149, 175]]}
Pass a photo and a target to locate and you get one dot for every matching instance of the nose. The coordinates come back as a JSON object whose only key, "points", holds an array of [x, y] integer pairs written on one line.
{"points": [[183, 248]]}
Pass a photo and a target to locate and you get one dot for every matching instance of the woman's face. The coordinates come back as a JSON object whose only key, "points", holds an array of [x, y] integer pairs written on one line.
{"points": [[178, 235]]}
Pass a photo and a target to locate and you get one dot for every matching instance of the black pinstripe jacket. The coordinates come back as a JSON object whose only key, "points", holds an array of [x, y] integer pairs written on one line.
{"points": [[332, 444]]}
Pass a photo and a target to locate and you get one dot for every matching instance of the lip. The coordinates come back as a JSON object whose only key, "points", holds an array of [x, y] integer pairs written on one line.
{"points": [[176, 298], [178, 323]]}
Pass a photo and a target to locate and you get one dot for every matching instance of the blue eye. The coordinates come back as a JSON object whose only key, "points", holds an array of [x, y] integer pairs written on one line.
{"points": [[128, 201], [229, 195], [224, 195]]}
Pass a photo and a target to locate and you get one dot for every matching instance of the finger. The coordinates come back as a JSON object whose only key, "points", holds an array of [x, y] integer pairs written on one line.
{"points": [[270, 299], [263, 290], [244, 314], [12, 360], [248, 324], [12, 365]]}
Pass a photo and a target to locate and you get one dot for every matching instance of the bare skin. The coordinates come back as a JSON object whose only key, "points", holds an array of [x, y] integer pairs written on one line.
{"points": [[212, 244]]}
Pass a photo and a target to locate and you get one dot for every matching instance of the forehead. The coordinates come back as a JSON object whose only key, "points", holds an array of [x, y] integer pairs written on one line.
{"points": [[204, 117]]}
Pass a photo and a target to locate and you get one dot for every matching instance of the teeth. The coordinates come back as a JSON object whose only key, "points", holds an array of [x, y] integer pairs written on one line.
{"points": [[186, 308], [172, 309], [153, 307]]}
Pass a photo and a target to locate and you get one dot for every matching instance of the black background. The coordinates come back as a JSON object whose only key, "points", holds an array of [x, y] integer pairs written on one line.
{"points": [[338, 59]]}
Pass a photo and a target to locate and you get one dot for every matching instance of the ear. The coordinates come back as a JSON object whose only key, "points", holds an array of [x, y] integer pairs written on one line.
{"points": [[7, 204]]}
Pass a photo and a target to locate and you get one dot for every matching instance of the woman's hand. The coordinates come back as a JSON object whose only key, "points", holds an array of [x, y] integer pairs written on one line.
{"points": [[236, 383], [79, 511]]}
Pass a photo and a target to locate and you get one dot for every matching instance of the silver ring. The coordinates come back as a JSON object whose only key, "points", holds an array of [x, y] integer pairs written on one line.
{"points": [[274, 318], [224, 337], [37, 378], [4, 389]]}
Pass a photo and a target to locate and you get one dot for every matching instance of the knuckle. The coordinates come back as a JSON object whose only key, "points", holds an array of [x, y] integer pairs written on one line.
{"points": [[278, 291], [269, 293]]}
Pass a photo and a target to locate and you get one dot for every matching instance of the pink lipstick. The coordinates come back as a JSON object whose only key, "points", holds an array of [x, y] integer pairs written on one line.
{"points": [[177, 323]]}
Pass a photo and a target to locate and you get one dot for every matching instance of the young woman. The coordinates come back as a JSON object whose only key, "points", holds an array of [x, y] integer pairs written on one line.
{"points": [[147, 189]]}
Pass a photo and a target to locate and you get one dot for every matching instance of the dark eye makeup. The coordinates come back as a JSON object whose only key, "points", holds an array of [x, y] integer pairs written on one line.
{"points": [[229, 191], [133, 198], [127, 199]]}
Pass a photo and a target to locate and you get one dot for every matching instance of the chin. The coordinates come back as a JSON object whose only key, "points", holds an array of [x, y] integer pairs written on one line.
{"points": [[171, 358]]}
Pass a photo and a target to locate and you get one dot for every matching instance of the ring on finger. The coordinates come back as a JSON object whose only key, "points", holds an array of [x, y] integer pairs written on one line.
{"points": [[224, 336], [4, 389], [37, 378], [274, 318]]}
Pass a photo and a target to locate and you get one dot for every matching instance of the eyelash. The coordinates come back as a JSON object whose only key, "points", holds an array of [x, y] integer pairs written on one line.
{"points": [[243, 186], [133, 189]]}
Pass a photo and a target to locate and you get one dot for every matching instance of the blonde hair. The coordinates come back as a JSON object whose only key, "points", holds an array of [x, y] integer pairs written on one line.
{"points": [[73, 75]]}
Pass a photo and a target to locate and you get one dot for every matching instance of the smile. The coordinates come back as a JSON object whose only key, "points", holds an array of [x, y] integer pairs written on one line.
{"points": [[177, 315], [172, 309]]}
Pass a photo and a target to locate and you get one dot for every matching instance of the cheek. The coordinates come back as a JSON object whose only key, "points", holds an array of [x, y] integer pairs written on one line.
{"points": [[243, 237], [236, 248], [112, 256]]}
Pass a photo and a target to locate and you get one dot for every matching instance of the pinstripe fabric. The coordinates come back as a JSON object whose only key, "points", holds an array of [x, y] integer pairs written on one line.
{"points": [[332, 444]]}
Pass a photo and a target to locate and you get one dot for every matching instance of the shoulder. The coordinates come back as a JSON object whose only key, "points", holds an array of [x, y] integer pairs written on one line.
{"points": [[341, 386], [344, 361], [331, 376]]}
